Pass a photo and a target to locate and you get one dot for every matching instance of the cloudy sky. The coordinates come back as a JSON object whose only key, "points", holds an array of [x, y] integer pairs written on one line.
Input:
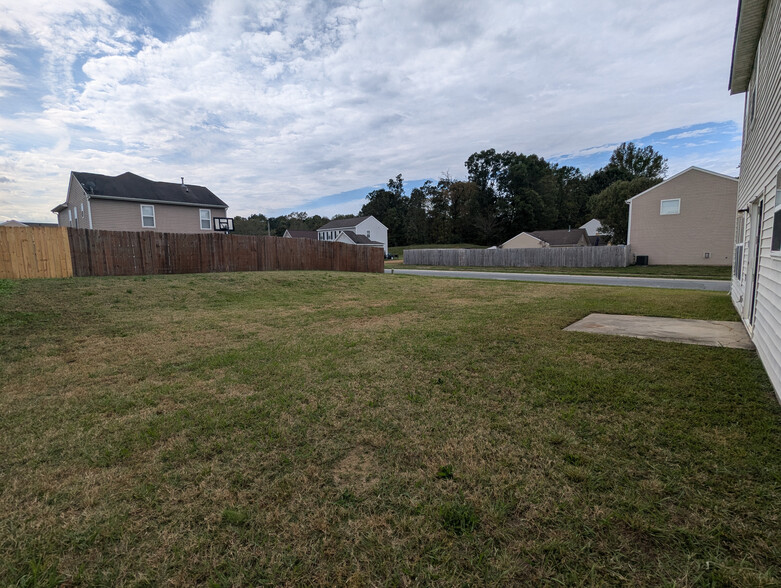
{"points": [[304, 105]]}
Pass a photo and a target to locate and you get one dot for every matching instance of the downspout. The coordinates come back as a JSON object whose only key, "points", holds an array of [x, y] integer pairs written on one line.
{"points": [[89, 210]]}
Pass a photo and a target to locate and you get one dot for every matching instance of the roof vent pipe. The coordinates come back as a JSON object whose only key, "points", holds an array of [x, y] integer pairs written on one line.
{"points": [[182, 181]]}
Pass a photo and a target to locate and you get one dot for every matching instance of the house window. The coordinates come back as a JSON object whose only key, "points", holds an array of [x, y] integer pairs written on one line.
{"points": [[206, 219], [740, 232], [82, 210], [70, 218], [368, 234], [670, 206], [775, 243], [147, 216]]}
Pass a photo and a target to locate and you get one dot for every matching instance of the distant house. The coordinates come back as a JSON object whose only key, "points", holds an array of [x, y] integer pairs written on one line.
{"points": [[756, 269], [293, 234], [13, 223], [362, 230], [593, 228], [686, 220], [559, 238], [129, 202]]}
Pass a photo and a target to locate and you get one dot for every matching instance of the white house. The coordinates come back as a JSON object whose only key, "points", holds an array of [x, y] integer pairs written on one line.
{"points": [[362, 230], [756, 279], [593, 228]]}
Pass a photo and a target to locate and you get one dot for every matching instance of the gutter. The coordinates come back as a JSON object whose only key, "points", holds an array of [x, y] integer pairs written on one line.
{"points": [[173, 203]]}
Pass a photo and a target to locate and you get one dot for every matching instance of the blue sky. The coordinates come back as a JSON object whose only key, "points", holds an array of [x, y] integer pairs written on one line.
{"points": [[293, 105]]}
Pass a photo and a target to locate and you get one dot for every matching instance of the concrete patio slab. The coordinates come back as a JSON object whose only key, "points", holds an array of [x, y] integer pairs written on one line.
{"points": [[695, 332]]}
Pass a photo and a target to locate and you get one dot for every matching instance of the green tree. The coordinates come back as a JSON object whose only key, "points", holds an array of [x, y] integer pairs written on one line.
{"points": [[416, 223], [610, 207], [255, 224], [389, 206], [516, 192], [638, 162]]}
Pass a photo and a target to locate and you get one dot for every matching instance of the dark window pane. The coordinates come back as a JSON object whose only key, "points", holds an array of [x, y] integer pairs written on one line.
{"points": [[776, 244]]}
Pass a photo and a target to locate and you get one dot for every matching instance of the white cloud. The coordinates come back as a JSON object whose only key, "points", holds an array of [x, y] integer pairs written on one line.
{"points": [[690, 134], [272, 103]]}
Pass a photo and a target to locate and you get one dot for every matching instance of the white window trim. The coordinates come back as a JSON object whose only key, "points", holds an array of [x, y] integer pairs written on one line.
{"points": [[70, 218], [661, 207], [740, 244], [154, 218], [201, 219]]}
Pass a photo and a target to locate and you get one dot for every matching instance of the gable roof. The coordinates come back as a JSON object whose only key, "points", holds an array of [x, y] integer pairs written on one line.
{"points": [[129, 186], [748, 29], [344, 222], [562, 236], [302, 234], [360, 239], [687, 170]]}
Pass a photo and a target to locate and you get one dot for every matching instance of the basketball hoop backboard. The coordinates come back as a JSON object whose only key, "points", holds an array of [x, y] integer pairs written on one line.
{"points": [[222, 224]]}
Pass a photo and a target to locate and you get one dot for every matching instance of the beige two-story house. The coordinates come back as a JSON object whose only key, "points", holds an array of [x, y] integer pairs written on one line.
{"points": [[756, 270], [685, 220], [128, 202]]}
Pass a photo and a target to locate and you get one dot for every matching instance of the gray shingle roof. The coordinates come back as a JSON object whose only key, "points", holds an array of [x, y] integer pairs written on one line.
{"points": [[343, 222], [133, 187], [561, 237], [360, 239]]}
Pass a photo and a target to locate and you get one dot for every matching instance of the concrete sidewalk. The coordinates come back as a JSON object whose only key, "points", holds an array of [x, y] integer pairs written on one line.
{"points": [[682, 284], [696, 332]]}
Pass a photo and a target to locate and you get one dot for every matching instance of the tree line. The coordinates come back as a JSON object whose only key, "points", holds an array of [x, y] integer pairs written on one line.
{"points": [[504, 194]]}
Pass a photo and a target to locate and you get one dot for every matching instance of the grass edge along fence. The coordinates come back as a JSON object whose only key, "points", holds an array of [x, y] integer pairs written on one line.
{"points": [[608, 256], [57, 252]]}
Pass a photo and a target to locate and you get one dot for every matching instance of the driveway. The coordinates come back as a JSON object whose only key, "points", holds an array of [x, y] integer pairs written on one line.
{"points": [[682, 284]]}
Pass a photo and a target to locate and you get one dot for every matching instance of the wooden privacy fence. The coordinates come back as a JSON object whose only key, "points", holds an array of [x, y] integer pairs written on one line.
{"points": [[34, 252], [617, 256], [54, 252], [119, 253]]}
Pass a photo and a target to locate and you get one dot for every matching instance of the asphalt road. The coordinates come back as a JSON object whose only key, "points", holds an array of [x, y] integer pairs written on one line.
{"points": [[682, 284]]}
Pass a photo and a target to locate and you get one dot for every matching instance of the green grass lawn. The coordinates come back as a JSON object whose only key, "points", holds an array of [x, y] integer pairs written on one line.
{"points": [[291, 428], [700, 272]]}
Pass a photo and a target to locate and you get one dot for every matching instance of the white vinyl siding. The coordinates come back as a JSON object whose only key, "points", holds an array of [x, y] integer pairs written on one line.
{"points": [[206, 219], [670, 206], [148, 216], [760, 164]]}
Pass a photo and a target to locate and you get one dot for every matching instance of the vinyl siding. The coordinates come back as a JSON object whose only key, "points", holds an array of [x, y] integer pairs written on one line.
{"points": [[370, 227], [376, 231], [119, 215], [75, 199], [524, 241], [705, 222], [760, 164]]}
